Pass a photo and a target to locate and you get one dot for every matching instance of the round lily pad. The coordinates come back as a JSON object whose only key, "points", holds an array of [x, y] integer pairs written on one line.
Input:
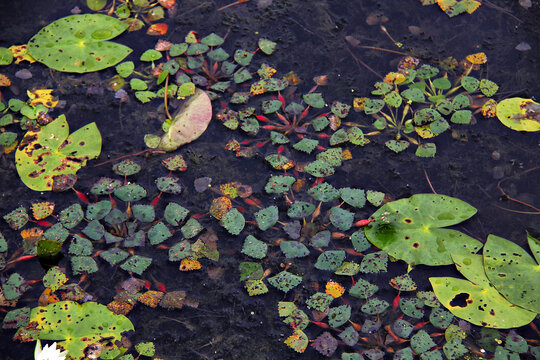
{"points": [[105, 186], [519, 114], [78, 43]]}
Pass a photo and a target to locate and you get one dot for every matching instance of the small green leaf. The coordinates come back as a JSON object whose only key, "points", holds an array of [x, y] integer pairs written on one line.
{"points": [[71, 216], [319, 301], [279, 184], [151, 55], [293, 249], [300, 209], [256, 287], [330, 260], [254, 247], [324, 192], [374, 306], [427, 149], [175, 213], [285, 281], [136, 264], [233, 221], [363, 289], [191, 228]]}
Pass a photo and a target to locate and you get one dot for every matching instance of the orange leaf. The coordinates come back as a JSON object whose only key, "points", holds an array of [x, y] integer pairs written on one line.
{"points": [[358, 103], [220, 206], [4, 80], [334, 289], [346, 155], [477, 59], [42, 209], [21, 53], [47, 297], [446, 4], [189, 264], [34, 232], [167, 4], [157, 29], [489, 109]]}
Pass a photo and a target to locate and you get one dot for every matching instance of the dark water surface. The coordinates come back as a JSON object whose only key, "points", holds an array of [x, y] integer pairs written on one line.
{"points": [[311, 41]]}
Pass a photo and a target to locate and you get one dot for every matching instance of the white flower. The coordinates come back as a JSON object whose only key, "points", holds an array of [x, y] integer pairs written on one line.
{"points": [[48, 352]]}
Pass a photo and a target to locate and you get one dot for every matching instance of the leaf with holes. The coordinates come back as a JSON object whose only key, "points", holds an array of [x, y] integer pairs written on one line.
{"points": [[285, 281], [324, 192], [254, 247], [17, 218], [267, 217], [513, 272], [169, 185], [298, 341], [477, 301], [105, 186], [353, 197], [374, 306], [300, 209], [136, 264], [71, 216], [83, 265], [49, 151], [325, 343], [363, 289], [78, 43], [256, 287], [77, 326], [126, 168], [330, 260], [403, 283], [339, 315], [519, 114], [144, 213], [278, 184], [130, 192], [175, 213], [413, 229], [191, 228], [374, 263], [319, 301], [233, 221]]}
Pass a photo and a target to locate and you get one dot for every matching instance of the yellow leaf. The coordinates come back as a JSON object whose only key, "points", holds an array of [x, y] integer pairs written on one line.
{"points": [[220, 206], [394, 78], [21, 53], [189, 264], [477, 59], [446, 4], [292, 78], [229, 190], [334, 289], [489, 109], [4, 80], [346, 155], [34, 232], [471, 5], [42, 96], [358, 103], [42, 209], [424, 132]]}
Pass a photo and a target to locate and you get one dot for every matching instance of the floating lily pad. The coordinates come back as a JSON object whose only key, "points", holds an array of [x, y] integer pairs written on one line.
{"points": [[314, 100], [130, 192], [353, 197], [478, 301], [77, 326], [319, 168], [266, 46], [267, 217], [50, 151], [454, 349], [169, 185], [513, 272], [397, 146], [78, 43], [519, 114], [414, 231], [440, 318], [285, 281]]}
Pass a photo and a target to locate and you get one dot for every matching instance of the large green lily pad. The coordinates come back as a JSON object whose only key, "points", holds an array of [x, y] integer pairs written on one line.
{"points": [[189, 122], [412, 229], [513, 272], [49, 151], [477, 301], [77, 326], [519, 114], [78, 43]]}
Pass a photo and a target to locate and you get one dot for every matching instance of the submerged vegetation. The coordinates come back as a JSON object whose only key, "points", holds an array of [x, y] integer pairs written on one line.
{"points": [[338, 263]]}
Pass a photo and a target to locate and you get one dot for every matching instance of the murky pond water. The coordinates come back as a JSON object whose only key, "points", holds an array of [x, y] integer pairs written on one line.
{"points": [[477, 163]]}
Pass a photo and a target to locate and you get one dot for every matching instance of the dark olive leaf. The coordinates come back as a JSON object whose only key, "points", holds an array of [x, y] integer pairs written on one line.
{"points": [[349, 336], [14, 287], [341, 218], [175, 213], [330, 260], [180, 251], [293, 229], [135, 240], [115, 217], [363, 289], [348, 269], [250, 270], [285, 281], [254, 247], [293, 249], [17, 218], [402, 328], [320, 239]]}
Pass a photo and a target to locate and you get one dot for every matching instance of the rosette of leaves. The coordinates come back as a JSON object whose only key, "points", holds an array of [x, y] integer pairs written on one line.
{"points": [[425, 101], [79, 43]]}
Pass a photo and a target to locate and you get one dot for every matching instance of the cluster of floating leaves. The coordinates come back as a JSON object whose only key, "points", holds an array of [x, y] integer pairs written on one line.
{"points": [[455, 7], [422, 100]]}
